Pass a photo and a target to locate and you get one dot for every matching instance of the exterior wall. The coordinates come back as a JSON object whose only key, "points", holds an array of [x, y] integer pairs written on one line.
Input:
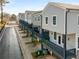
{"points": [[29, 19], [37, 19], [21, 16], [73, 26], [49, 12], [29, 16], [71, 41], [26, 15], [55, 41]]}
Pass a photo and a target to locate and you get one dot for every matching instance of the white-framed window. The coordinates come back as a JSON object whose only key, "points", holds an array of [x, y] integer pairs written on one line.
{"points": [[78, 19], [38, 18], [54, 20], [35, 18], [55, 35], [59, 39], [46, 19]]}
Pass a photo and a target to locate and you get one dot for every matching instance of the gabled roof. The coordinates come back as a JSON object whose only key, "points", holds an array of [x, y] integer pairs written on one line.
{"points": [[30, 12], [64, 5], [37, 12], [33, 12]]}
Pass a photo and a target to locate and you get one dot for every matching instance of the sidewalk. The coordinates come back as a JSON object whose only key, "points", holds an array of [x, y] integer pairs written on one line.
{"points": [[26, 48], [2, 33]]}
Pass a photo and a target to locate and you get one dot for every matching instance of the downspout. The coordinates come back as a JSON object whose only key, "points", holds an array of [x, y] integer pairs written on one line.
{"points": [[65, 35], [41, 33]]}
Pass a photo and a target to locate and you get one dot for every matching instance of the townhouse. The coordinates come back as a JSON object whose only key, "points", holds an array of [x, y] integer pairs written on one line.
{"points": [[29, 16], [21, 16], [34, 19], [59, 20], [57, 24], [37, 21], [37, 26]]}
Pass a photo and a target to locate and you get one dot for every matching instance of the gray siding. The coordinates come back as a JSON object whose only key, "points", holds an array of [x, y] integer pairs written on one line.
{"points": [[73, 22], [49, 11], [37, 22]]}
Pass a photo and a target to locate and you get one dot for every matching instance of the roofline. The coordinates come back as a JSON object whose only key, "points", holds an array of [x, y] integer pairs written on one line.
{"points": [[37, 12], [64, 8], [72, 9]]}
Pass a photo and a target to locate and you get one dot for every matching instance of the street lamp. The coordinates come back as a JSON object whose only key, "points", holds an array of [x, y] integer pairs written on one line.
{"points": [[2, 3]]}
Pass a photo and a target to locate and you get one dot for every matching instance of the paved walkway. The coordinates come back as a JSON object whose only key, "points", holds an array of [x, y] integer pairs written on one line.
{"points": [[28, 48], [25, 47], [9, 47]]}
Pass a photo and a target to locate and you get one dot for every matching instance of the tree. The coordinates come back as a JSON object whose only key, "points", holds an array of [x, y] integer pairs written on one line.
{"points": [[2, 3], [13, 17]]}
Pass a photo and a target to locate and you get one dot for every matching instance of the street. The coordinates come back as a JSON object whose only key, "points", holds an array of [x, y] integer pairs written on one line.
{"points": [[9, 47]]}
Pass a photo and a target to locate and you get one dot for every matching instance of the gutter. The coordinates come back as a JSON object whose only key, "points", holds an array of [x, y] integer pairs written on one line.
{"points": [[65, 35]]}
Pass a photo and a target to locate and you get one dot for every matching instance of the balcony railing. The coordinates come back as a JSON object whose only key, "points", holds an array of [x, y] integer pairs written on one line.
{"points": [[45, 39], [45, 35], [59, 50]]}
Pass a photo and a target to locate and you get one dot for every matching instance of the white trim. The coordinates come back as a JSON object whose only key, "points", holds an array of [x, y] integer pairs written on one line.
{"points": [[58, 40], [56, 20], [45, 20], [77, 20], [77, 42]]}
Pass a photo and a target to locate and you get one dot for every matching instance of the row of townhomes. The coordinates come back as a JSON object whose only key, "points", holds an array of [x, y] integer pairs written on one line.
{"points": [[57, 25]]}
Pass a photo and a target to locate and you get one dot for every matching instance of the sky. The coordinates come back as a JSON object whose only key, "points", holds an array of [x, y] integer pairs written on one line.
{"points": [[20, 6]]}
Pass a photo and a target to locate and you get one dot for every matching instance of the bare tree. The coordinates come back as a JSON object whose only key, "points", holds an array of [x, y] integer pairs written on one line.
{"points": [[13, 17], [2, 3]]}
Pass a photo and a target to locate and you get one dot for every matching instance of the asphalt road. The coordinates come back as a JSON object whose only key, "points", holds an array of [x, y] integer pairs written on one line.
{"points": [[9, 47]]}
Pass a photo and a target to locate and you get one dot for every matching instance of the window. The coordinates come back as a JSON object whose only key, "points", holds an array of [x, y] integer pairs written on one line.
{"points": [[59, 39], [46, 20], [55, 35], [78, 20], [52, 33], [63, 38], [38, 18], [35, 18], [78, 42], [54, 20]]}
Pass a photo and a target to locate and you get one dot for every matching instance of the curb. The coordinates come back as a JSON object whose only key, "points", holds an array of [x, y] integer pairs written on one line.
{"points": [[2, 32], [20, 44]]}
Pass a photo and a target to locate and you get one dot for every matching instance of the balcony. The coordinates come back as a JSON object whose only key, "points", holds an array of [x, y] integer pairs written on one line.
{"points": [[45, 34], [25, 25], [22, 22], [45, 39], [36, 31], [30, 26]]}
